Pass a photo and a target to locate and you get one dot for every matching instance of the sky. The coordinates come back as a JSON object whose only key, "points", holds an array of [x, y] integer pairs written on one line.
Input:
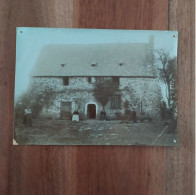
{"points": [[30, 41]]}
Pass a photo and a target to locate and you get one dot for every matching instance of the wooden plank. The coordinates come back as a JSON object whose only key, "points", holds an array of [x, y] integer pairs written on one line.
{"points": [[121, 170], [127, 14], [30, 170], [181, 160], [97, 169], [4, 104]]}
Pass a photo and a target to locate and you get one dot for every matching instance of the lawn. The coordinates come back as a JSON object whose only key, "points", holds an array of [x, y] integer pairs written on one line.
{"points": [[94, 132]]}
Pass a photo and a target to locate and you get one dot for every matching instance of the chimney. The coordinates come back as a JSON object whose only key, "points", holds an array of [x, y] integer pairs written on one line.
{"points": [[151, 42], [151, 54]]}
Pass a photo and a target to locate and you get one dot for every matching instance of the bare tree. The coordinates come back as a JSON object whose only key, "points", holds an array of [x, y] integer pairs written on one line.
{"points": [[167, 74]]}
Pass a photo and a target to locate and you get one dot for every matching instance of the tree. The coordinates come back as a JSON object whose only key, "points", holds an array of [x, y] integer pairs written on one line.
{"points": [[104, 88], [167, 74], [47, 96], [37, 98]]}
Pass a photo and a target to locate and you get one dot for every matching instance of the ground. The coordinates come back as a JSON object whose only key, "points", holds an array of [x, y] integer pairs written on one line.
{"points": [[94, 132]]}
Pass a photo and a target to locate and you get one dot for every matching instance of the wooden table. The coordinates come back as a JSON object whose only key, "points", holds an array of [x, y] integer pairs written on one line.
{"points": [[131, 170]]}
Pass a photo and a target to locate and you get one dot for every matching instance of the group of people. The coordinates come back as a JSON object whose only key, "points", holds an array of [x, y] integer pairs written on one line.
{"points": [[27, 121]]}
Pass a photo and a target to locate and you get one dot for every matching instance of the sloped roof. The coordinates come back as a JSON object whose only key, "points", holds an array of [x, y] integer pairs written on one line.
{"points": [[77, 60]]}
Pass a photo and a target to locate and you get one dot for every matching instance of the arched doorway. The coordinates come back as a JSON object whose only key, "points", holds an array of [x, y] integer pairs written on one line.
{"points": [[91, 111]]}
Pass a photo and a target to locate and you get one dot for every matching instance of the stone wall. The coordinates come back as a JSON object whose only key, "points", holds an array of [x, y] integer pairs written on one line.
{"points": [[141, 93], [57, 82], [144, 94]]}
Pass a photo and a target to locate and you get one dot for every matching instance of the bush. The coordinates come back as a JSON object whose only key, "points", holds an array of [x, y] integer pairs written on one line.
{"points": [[165, 112], [118, 116], [36, 98], [19, 111]]}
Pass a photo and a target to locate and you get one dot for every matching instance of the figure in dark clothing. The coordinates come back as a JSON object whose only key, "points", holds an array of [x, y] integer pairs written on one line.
{"points": [[76, 112], [134, 117], [103, 115], [27, 117]]}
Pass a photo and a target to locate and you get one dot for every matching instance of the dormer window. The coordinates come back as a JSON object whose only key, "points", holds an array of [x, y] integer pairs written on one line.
{"points": [[93, 64], [65, 80], [121, 64]]}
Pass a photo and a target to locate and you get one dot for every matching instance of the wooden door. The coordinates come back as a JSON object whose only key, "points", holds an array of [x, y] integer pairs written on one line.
{"points": [[91, 111], [66, 110]]}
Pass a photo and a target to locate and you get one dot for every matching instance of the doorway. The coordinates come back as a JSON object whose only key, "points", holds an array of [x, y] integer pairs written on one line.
{"points": [[65, 110], [91, 111]]}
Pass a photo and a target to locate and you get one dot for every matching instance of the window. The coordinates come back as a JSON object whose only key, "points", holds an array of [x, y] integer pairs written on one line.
{"points": [[116, 80], [90, 79], [115, 101], [94, 64], [65, 80]]}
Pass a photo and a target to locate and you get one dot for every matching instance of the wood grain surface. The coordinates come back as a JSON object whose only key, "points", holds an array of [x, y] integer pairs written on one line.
{"points": [[78, 170]]}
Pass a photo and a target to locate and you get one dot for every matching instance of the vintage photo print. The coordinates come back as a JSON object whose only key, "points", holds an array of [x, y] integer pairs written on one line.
{"points": [[95, 87]]}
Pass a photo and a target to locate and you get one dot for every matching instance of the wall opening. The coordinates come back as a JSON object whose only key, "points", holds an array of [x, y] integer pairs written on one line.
{"points": [[91, 111], [65, 80]]}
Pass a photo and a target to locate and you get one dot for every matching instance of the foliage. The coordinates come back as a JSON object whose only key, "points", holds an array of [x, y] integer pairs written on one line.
{"points": [[104, 88], [36, 98], [167, 74], [134, 99], [78, 102], [118, 115], [126, 106], [163, 110], [166, 113]]}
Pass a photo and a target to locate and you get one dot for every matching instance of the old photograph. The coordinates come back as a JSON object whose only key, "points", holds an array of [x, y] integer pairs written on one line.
{"points": [[95, 87]]}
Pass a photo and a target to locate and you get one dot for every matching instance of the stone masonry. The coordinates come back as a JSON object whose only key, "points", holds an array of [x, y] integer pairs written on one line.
{"points": [[139, 92]]}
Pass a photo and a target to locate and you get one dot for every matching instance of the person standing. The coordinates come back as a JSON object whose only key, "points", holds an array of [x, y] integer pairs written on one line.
{"points": [[75, 116], [27, 117], [103, 115]]}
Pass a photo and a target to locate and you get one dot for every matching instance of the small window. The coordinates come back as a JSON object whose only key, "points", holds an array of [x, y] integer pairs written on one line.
{"points": [[115, 101], [63, 65], [90, 79], [65, 80], [116, 80], [94, 64]]}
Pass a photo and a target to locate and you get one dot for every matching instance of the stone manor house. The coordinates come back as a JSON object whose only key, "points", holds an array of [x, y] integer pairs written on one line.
{"points": [[73, 69]]}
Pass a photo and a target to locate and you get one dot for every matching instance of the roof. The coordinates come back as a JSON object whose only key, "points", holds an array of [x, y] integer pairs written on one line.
{"points": [[120, 59]]}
